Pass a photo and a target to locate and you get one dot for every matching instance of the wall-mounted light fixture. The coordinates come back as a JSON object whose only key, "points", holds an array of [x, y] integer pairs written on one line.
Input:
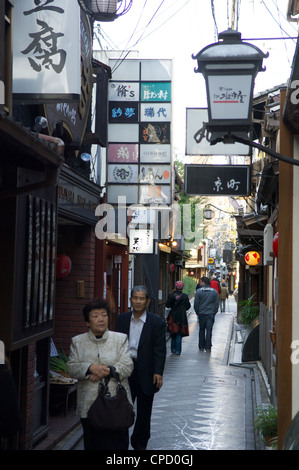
{"points": [[40, 123]]}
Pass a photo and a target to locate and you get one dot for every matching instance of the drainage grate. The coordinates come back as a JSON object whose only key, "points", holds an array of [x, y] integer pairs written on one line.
{"points": [[219, 380]]}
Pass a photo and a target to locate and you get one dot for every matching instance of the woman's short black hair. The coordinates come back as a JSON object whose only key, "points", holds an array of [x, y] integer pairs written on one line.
{"points": [[95, 304]]}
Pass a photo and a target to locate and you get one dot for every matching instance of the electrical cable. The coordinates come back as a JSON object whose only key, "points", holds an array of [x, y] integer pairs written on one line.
{"points": [[158, 27], [281, 28], [214, 18], [121, 59], [118, 64], [169, 18]]}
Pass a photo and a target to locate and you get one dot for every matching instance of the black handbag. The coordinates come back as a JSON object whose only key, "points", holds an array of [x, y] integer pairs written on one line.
{"points": [[111, 413]]}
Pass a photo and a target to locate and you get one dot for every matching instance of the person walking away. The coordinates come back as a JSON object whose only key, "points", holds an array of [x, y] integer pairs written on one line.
{"points": [[147, 344], [177, 317], [223, 296], [206, 303], [215, 284], [92, 357]]}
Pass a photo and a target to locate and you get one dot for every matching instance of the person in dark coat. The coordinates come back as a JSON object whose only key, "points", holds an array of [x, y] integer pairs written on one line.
{"points": [[177, 317], [147, 346], [206, 303]]}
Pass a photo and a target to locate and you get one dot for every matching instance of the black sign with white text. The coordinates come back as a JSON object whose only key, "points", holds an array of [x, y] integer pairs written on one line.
{"points": [[217, 180]]}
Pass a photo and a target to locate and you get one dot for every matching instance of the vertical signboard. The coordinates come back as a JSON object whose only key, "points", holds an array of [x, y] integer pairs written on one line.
{"points": [[139, 132], [46, 50]]}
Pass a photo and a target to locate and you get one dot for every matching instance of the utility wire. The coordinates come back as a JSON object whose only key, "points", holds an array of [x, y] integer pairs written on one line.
{"points": [[118, 64], [281, 28], [169, 18], [142, 37], [214, 18]]}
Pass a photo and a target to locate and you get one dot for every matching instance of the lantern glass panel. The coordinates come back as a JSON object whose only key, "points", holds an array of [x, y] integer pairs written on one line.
{"points": [[229, 96]]}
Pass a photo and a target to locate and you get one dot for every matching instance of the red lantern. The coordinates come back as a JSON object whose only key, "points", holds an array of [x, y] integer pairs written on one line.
{"points": [[171, 268], [252, 258], [63, 266], [275, 244]]}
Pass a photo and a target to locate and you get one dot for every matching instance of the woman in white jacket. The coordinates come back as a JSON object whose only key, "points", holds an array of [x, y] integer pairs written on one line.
{"points": [[92, 355]]}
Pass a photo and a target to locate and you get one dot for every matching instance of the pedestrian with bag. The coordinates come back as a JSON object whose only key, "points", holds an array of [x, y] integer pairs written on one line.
{"points": [[147, 345], [206, 303], [223, 296], [177, 321], [97, 357]]}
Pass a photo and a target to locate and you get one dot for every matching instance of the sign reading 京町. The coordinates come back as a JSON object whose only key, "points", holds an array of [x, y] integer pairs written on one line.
{"points": [[217, 180]]}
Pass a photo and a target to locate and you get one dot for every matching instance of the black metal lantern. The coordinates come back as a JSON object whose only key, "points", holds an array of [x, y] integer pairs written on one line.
{"points": [[105, 10], [229, 68]]}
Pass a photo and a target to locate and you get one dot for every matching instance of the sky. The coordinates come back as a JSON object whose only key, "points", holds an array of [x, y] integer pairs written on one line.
{"points": [[176, 29]]}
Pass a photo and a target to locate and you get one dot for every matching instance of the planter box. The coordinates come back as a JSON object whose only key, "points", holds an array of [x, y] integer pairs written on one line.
{"points": [[250, 350]]}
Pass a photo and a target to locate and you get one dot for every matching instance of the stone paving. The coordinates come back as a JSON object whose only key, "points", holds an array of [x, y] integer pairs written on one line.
{"points": [[204, 404]]}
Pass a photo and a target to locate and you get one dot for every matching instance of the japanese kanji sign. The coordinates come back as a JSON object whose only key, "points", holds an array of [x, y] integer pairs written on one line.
{"points": [[228, 91], [217, 180], [141, 241], [139, 132], [46, 50], [123, 111]]}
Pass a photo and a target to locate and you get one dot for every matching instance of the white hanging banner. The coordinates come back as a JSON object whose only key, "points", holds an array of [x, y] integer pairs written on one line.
{"points": [[46, 50]]}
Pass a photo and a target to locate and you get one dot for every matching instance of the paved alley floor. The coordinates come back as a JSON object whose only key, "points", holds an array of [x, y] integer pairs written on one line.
{"points": [[204, 404]]}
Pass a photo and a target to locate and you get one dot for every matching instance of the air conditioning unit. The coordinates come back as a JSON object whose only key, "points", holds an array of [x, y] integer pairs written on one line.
{"points": [[268, 245]]}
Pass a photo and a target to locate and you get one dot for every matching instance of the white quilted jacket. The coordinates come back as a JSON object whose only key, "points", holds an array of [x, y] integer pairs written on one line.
{"points": [[86, 349]]}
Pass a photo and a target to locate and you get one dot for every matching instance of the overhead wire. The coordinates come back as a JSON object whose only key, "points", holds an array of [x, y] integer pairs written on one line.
{"points": [[273, 17], [285, 45], [142, 37], [149, 22], [169, 18], [214, 19]]}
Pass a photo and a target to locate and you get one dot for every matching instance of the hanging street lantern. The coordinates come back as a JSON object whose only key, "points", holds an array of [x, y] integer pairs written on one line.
{"points": [[252, 258], [171, 268], [229, 68], [208, 214], [105, 10], [63, 266]]}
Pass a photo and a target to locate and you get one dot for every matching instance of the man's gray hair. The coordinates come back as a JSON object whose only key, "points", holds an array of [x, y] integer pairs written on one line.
{"points": [[140, 289]]}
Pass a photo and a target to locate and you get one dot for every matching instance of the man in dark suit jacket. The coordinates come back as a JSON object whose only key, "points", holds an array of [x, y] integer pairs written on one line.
{"points": [[147, 344]]}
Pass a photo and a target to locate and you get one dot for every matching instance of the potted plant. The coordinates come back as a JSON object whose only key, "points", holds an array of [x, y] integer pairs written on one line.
{"points": [[249, 311], [58, 363], [266, 424]]}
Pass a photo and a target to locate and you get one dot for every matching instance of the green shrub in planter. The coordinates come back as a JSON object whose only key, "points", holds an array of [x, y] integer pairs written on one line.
{"points": [[249, 311], [266, 424]]}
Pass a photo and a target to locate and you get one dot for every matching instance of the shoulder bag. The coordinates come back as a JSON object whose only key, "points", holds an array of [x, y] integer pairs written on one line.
{"points": [[114, 413]]}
